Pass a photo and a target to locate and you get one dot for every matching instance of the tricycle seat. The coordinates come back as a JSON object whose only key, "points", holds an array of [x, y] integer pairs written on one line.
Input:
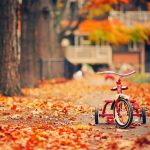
{"points": [[108, 101], [132, 100]]}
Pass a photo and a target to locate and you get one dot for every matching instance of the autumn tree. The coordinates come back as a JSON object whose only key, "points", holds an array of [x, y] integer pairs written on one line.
{"points": [[9, 76], [28, 55], [34, 40], [40, 35]]}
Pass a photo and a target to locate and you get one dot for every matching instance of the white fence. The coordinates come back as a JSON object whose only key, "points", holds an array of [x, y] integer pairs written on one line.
{"points": [[89, 54]]}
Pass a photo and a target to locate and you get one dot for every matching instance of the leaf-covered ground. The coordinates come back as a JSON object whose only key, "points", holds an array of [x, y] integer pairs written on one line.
{"points": [[59, 114]]}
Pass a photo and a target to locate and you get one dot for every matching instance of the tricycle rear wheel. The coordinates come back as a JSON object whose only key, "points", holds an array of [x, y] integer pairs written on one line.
{"points": [[143, 115], [96, 115]]}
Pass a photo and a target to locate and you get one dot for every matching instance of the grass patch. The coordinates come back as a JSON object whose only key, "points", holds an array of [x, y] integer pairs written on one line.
{"points": [[140, 78]]}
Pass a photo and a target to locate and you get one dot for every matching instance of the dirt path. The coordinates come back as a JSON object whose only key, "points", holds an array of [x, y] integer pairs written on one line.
{"points": [[129, 133], [96, 99], [61, 116]]}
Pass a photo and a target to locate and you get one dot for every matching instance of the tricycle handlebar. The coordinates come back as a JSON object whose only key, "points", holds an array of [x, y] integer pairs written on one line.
{"points": [[119, 74]]}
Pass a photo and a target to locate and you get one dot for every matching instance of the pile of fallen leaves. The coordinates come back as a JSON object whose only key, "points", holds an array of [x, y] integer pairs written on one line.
{"points": [[57, 115]]}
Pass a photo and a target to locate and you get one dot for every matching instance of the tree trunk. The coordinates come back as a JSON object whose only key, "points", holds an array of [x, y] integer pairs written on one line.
{"points": [[57, 67], [28, 54], [42, 29], [142, 46], [9, 60], [35, 39], [55, 47]]}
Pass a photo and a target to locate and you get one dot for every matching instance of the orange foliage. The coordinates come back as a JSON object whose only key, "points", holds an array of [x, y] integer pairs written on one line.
{"points": [[113, 29], [51, 118], [88, 26], [124, 1], [91, 4]]}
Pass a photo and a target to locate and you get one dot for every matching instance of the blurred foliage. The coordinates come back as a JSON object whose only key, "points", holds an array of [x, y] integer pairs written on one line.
{"points": [[120, 35], [98, 36], [94, 8], [110, 31], [99, 11], [138, 33], [140, 78]]}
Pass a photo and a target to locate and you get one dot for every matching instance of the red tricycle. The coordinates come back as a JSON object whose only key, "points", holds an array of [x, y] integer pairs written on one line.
{"points": [[124, 108]]}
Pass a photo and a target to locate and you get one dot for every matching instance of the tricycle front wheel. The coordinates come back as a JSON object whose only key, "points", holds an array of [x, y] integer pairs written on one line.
{"points": [[123, 113]]}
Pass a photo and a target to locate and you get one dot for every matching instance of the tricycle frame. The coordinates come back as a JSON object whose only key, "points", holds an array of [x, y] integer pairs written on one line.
{"points": [[134, 108]]}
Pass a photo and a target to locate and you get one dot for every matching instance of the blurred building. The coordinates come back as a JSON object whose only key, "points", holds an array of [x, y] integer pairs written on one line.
{"points": [[81, 51]]}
